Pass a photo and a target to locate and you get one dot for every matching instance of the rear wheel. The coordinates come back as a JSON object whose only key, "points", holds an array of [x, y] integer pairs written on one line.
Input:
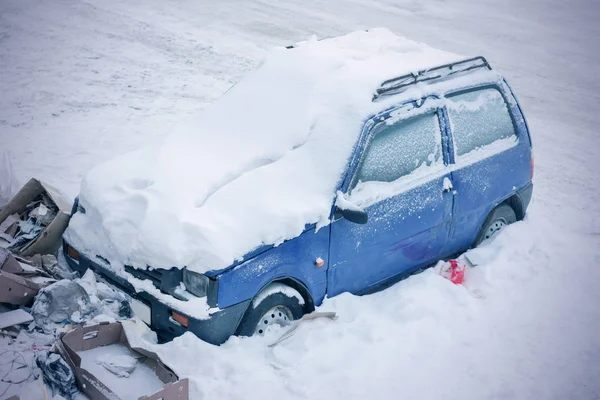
{"points": [[278, 308], [500, 217]]}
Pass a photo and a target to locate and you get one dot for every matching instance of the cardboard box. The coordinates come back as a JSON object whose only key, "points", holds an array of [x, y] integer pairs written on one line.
{"points": [[80, 339], [14, 317], [49, 239], [20, 281]]}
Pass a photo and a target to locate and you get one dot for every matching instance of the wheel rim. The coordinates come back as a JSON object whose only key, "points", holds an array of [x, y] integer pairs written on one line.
{"points": [[278, 315], [494, 227]]}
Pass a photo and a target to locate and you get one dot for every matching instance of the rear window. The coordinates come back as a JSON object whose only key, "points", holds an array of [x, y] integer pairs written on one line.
{"points": [[479, 118], [398, 150]]}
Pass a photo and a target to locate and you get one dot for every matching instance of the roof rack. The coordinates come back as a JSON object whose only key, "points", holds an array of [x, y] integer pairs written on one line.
{"points": [[399, 84]]}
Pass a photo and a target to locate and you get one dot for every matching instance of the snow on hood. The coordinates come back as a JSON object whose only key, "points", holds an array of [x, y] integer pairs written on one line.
{"points": [[254, 168]]}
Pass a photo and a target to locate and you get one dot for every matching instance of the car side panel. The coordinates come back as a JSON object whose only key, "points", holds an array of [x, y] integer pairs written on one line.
{"points": [[404, 232], [294, 259], [482, 185]]}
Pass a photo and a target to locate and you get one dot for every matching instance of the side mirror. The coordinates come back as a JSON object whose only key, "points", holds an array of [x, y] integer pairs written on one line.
{"points": [[353, 215], [348, 210]]}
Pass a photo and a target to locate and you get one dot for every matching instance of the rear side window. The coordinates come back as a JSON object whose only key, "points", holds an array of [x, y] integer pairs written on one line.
{"points": [[399, 149], [479, 118]]}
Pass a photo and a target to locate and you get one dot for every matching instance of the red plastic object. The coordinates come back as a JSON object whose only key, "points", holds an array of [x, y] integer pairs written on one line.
{"points": [[457, 272]]}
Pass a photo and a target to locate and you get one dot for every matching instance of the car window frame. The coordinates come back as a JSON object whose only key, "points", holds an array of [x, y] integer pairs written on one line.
{"points": [[379, 119], [450, 130]]}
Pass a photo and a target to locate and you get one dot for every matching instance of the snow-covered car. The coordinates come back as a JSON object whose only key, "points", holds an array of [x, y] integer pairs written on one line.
{"points": [[338, 165]]}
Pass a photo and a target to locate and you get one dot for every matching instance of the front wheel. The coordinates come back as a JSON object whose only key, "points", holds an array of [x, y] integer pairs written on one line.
{"points": [[500, 217], [280, 306]]}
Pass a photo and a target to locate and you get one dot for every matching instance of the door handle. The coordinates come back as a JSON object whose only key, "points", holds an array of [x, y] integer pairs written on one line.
{"points": [[447, 185]]}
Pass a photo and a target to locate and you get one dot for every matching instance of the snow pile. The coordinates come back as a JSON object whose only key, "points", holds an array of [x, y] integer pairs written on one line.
{"points": [[493, 337], [254, 168]]}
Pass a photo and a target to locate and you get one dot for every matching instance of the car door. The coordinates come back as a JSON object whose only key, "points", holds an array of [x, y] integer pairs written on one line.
{"points": [[401, 181], [488, 162]]}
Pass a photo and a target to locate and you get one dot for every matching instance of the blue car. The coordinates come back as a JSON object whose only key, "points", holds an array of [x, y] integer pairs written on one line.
{"points": [[429, 177]]}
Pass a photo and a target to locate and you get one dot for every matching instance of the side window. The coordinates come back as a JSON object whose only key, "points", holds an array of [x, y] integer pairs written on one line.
{"points": [[399, 149], [478, 118]]}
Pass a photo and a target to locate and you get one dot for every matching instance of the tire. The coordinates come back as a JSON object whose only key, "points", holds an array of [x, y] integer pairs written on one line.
{"points": [[499, 217], [276, 308]]}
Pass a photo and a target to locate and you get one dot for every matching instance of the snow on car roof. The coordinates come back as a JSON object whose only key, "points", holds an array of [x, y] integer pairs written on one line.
{"points": [[255, 167]]}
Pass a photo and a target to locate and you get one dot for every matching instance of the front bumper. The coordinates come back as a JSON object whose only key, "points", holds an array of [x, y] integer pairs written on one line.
{"points": [[216, 329]]}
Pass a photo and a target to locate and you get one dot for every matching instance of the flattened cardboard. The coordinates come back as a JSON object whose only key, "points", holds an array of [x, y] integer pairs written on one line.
{"points": [[18, 285], [8, 263], [9, 225], [17, 290], [14, 317], [21, 266], [49, 240], [90, 337]]}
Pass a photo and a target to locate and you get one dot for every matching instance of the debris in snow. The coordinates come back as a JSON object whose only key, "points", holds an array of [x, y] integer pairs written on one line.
{"points": [[81, 301], [8, 229], [33, 221], [462, 271], [58, 268], [18, 369], [17, 364], [58, 303], [105, 300], [453, 270], [101, 357], [14, 317], [20, 281], [121, 364], [34, 389], [57, 374]]}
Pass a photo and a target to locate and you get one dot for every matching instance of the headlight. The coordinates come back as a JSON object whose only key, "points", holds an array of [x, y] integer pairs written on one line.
{"points": [[195, 283]]}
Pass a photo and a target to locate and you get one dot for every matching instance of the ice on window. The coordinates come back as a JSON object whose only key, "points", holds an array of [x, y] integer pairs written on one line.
{"points": [[399, 149], [479, 118]]}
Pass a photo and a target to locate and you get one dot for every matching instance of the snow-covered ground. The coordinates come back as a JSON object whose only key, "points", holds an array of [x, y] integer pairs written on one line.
{"points": [[82, 81]]}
